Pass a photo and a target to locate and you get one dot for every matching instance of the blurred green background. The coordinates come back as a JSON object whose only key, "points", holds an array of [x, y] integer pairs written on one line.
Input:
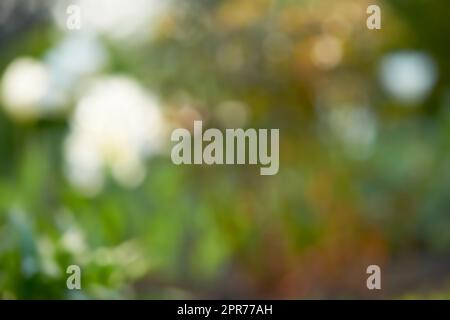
{"points": [[85, 170]]}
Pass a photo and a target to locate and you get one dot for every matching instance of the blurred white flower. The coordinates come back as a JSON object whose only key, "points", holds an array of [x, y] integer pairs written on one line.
{"points": [[115, 126], [73, 240], [25, 84], [76, 55], [119, 19], [356, 128], [408, 76], [33, 89]]}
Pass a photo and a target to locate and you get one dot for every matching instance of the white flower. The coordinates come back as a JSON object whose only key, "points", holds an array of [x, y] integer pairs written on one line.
{"points": [[115, 126], [25, 84], [73, 240], [408, 76], [118, 19], [76, 56], [33, 89], [356, 128]]}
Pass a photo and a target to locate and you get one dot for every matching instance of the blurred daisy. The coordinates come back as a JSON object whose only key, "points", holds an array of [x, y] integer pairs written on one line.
{"points": [[115, 126]]}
